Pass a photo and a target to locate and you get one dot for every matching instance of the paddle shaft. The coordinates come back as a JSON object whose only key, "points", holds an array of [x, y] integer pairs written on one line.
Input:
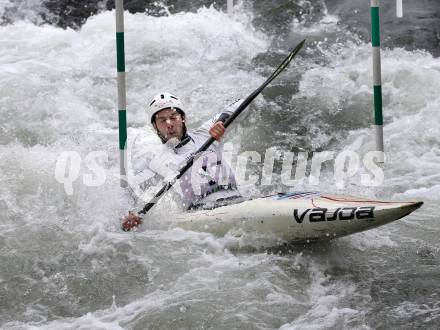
{"points": [[228, 122]]}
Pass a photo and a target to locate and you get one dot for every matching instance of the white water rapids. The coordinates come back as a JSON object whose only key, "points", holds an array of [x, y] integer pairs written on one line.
{"points": [[65, 264]]}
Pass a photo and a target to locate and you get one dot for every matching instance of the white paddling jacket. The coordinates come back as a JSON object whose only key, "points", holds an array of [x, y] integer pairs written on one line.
{"points": [[208, 183]]}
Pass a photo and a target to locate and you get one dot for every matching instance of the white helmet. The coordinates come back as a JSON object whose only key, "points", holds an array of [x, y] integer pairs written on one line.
{"points": [[164, 101]]}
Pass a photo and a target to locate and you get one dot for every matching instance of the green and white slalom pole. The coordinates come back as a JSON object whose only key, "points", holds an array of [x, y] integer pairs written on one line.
{"points": [[377, 79], [122, 100]]}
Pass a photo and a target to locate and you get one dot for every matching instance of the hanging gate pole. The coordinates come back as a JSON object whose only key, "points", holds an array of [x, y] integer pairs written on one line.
{"points": [[399, 8], [122, 101], [377, 79]]}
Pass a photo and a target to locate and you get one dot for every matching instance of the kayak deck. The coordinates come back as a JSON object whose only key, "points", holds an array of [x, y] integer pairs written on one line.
{"points": [[298, 216]]}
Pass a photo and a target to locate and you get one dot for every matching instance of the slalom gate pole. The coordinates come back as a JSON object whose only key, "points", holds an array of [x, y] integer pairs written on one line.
{"points": [[377, 77], [122, 100], [399, 8]]}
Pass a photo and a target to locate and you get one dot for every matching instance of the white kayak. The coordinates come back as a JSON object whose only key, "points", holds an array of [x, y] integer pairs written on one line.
{"points": [[297, 217]]}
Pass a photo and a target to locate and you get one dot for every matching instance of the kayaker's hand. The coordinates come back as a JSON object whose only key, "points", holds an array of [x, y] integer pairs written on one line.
{"points": [[217, 130], [131, 221]]}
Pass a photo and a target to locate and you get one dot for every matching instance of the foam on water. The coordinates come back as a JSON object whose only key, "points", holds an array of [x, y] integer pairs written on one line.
{"points": [[65, 257], [58, 94], [29, 10]]}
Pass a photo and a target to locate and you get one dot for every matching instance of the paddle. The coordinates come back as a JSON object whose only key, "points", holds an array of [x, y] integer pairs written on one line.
{"points": [[228, 122]]}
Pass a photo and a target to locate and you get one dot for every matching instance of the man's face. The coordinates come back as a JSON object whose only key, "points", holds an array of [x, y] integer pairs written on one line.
{"points": [[169, 123]]}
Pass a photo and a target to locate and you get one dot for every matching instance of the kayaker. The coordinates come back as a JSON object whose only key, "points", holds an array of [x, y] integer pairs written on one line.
{"points": [[210, 182]]}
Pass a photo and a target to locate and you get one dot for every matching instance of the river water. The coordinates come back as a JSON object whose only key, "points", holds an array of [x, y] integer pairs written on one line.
{"points": [[65, 264]]}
